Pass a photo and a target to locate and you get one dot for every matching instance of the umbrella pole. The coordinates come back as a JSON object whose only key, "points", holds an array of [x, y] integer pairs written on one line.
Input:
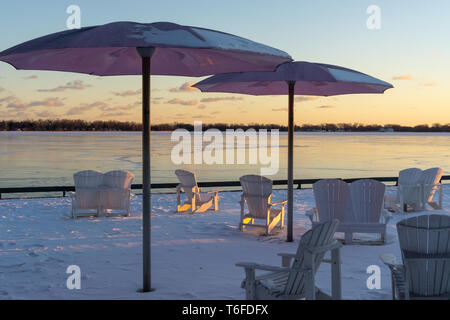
{"points": [[290, 212], [146, 55]]}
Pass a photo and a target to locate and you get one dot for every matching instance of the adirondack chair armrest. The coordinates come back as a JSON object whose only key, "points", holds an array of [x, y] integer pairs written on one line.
{"points": [[439, 185], [386, 215], [334, 245], [311, 214], [390, 261], [214, 191], [282, 203], [256, 266], [243, 200], [287, 257]]}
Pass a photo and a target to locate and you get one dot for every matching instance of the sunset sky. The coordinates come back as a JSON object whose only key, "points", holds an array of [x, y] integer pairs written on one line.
{"points": [[411, 50]]}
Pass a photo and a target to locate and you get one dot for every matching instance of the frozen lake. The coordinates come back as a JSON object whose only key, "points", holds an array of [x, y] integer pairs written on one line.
{"points": [[51, 158]]}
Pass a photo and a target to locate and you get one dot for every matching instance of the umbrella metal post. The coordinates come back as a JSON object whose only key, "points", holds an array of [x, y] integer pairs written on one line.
{"points": [[290, 213], [146, 55]]}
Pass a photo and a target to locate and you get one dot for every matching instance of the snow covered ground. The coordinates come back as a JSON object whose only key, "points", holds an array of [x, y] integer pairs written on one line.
{"points": [[193, 256]]}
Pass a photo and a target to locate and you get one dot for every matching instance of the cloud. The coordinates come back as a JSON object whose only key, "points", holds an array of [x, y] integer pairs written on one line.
{"points": [[326, 107], [86, 107], [18, 105], [182, 102], [202, 116], [49, 102], [127, 93], [279, 109], [185, 87], [201, 106], [73, 85], [12, 114], [115, 114], [305, 98], [403, 77], [45, 114], [215, 112], [32, 77], [8, 99], [430, 84], [129, 106], [207, 100]]}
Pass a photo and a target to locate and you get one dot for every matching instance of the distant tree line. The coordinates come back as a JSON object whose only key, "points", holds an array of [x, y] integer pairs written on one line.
{"points": [[112, 125]]}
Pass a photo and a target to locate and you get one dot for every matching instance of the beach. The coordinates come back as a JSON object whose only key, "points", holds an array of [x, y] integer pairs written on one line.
{"points": [[193, 255]]}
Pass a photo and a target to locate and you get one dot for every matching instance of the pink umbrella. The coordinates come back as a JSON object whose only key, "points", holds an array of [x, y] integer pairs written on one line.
{"points": [[129, 48], [302, 78]]}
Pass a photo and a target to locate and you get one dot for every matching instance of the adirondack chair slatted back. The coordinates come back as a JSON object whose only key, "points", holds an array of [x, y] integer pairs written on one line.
{"points": [[320, 235], [410, 176], [332, 200], [86, 184], [118, 184], [367, 200], [118, 179], [257, 191], [87, 179], [429, 178], [187, 181], [430, 235]]}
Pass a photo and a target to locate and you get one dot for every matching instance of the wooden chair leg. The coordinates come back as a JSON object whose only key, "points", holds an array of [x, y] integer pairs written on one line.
{"points": [[348, 238], [336, 289]]}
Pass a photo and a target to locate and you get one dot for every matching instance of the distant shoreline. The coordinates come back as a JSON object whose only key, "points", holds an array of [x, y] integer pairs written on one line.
{"points": [[63, 125]]}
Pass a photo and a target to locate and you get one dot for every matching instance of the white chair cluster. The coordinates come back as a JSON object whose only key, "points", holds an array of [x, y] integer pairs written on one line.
{"points": [[416, 189], [357, 206], [101, 193]]}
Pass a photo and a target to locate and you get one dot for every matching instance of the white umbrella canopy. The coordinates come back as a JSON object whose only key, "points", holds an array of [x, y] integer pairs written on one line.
{"points": [[130, 48], [110, 49]]}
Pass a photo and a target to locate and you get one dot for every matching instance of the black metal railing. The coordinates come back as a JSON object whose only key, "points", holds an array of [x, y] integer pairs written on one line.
{"points": [[298, 183]]}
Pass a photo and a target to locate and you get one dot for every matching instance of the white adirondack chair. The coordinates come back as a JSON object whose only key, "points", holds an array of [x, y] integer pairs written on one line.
{"points": [[296, 280], [369, 215], [425, 272], [257, 194], [85, 199], [115, 192], [409, 192], [196, 201], [358, 206], [430, 182]]}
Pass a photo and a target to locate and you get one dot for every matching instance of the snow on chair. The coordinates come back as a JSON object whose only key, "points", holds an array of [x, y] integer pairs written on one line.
{"points": [[257, 194], [196, 201], [85, 199], [115, 192], [296, 279], [425, 271]]}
